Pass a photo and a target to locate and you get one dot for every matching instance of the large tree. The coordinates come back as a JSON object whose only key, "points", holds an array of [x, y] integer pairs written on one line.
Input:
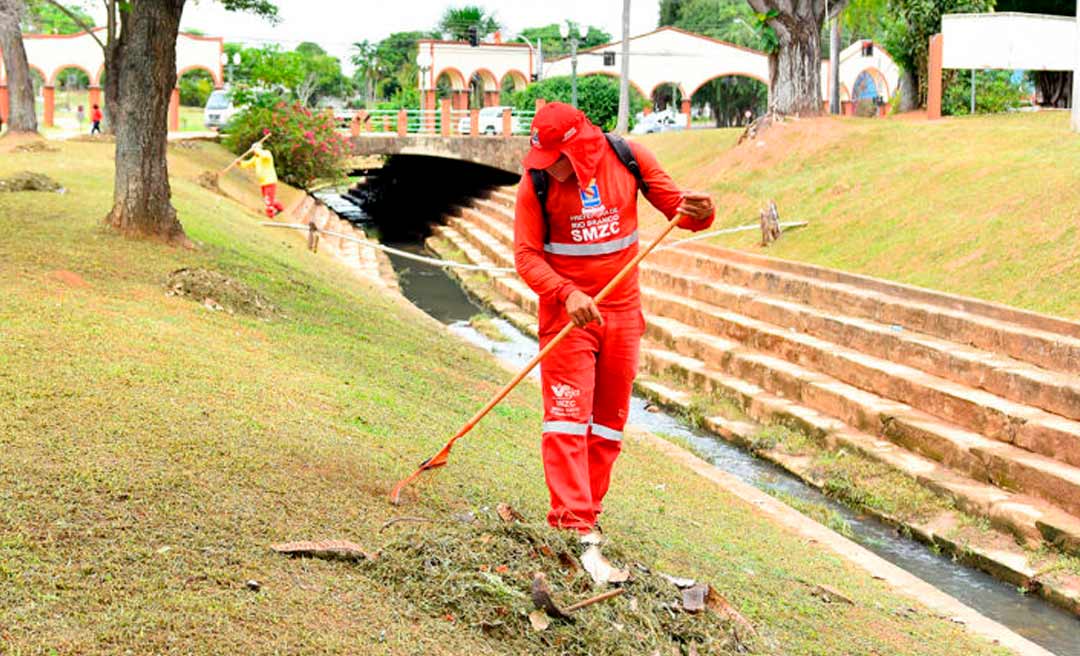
{"points": [[43, 17], [795, 58], [20, 87], [456, 22], [363, 58], [140, 74]]}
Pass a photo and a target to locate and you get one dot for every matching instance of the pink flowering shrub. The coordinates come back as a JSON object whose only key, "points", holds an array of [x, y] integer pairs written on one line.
{"points": [[306, 145]]}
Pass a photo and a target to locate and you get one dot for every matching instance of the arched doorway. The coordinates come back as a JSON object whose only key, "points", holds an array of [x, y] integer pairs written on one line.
{"points": [[731, 100], [511, 83], [195, 85], [869, 84], [71, 89], [667, 97], [483, 89], [450, 83]]}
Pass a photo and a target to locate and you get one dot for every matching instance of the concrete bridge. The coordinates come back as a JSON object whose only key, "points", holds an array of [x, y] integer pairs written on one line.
{"points": [[502, 153]]}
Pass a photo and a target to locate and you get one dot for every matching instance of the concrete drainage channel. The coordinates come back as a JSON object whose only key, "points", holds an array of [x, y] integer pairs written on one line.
{"points": [[438, 294]]}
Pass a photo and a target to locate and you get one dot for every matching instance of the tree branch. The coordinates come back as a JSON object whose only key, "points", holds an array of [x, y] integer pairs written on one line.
{"points": [[89, 29]]}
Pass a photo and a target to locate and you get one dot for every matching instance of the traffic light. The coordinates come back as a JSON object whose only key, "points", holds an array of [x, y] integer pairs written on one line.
{"points": [[609, 58], [474, 36]]}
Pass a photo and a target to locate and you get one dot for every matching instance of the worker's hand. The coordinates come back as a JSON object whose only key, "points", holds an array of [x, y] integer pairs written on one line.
{"points": [[697, 205], [582, 309]]}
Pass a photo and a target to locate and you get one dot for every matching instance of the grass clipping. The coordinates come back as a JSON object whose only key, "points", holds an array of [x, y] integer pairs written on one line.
{"points": [[478, 573], [218, 292]]}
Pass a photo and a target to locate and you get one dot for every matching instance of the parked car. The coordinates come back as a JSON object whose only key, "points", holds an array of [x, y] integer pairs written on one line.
{"points": [[659, 122], [219, 109], [490, 122]]}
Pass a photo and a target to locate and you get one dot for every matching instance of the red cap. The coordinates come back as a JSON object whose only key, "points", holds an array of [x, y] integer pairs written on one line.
{"points": [[554, 128]]}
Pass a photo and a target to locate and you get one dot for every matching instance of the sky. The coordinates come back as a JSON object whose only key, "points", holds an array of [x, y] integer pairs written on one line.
{"points": [[336, 24]]}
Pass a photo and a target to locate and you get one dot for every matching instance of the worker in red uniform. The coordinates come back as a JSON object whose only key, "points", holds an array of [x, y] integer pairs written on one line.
{"points": [[95, 120], [567, 250]]}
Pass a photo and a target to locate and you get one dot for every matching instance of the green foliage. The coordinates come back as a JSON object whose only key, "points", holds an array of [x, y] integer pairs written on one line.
{"points": [[456, 21], [994, 93], [908, 38], [728, 98], [305, 144], [598, 97], [396, 62], [195, 87], [73, 78], [555, 46], [43, 17], [306, 74], [729, 20]]}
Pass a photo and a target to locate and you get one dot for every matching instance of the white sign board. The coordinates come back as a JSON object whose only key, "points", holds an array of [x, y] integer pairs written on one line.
{"points": [[1009, 41]]}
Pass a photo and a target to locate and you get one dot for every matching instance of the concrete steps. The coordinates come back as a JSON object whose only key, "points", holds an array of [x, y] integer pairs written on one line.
{"points": [[977, 401], [981, 458]]}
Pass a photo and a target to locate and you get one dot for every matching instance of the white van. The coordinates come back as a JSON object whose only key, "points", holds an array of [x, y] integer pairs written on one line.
{"points": [[219, 109], [490, 122]]}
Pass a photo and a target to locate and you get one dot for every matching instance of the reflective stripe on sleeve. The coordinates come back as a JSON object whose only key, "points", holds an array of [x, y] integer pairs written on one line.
{"points": [[567, 427], [606, 433], [602, 248]]}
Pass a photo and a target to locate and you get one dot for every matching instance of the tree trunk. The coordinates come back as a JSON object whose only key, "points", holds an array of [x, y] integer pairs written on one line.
{"points": [[834, 66], [21, 118], [144, 72], [1053, 88], [909, 92], [795, 86]]}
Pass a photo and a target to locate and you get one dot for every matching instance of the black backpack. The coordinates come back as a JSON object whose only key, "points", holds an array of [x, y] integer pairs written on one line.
{"points": [[626, 156]]}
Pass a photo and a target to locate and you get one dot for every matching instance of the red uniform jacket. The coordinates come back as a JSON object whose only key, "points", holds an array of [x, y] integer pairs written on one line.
{"points": [[591, 233], [95, 114]]}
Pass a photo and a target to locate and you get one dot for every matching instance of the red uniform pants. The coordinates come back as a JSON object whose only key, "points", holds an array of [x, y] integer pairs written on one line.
{"points": [[587, 382], [269, 193]]}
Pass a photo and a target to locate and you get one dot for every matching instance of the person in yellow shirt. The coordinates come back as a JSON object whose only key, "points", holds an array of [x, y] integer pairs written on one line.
{"points": [[263, 163]]}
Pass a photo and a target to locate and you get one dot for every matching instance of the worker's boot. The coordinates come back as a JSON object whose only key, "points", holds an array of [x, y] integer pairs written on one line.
{"points": [[599, 568]]}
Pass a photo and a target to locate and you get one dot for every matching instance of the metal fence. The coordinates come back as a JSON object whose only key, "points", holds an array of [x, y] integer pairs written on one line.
{"points": [[488, 122]]}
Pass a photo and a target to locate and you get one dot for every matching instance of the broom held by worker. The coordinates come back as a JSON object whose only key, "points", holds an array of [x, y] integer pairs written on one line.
{"points": [[262, 160], [567, 250]]}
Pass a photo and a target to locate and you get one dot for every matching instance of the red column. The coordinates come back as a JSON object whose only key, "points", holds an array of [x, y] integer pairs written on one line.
{"points": [[49, 94], [174, 110], [95, 97], [686, 110], [3, 102], [445, 117], [402, 123], [429, 99], [474, 122], [508, 123], [933, 92], [354, 126]]}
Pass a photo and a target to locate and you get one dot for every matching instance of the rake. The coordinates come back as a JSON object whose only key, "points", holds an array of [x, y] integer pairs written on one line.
{"points": [[441, 458]]}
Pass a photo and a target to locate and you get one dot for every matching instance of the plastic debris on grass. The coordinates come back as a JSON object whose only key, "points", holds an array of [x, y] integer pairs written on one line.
{"points": [[479, 575]]}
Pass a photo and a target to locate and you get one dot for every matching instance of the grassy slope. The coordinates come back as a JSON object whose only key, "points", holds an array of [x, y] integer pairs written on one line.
{"points": [[987, 206], [150, 450]]}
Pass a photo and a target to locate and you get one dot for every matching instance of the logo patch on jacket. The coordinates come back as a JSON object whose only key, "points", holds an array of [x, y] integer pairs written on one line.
{"points": [[590, 196]]}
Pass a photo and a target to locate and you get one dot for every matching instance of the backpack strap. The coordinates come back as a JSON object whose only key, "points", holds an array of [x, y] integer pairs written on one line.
{"points": [[540, 187], [626, 156]]}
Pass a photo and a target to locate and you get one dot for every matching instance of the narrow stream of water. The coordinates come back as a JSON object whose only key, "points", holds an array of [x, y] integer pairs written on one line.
{"points": [[438, 294]]}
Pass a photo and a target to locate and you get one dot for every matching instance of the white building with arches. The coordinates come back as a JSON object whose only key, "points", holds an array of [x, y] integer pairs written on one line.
{"points": [[484, 71], [49, 55]]}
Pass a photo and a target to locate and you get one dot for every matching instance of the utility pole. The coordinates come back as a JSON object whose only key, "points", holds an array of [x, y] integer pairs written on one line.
{"points": [[566, 32], [1076, 77], [623, 121], [834, 65]]}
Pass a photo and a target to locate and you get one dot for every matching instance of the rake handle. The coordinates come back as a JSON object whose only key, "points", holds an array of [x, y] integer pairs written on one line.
{"points": [[594, 600]]}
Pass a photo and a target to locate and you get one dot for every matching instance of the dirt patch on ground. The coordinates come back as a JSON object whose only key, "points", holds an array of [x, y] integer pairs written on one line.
{"points": [[209, 180], [218, 292], [35, 147], [30, 181], [94, 138], [12, 140], [69, 278]]}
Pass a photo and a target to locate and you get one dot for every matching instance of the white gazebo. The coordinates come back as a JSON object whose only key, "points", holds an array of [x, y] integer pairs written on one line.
{"points": [[51, 54]]}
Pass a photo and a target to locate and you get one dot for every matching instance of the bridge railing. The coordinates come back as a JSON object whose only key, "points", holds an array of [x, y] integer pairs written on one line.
{"points": [[435, 122]]}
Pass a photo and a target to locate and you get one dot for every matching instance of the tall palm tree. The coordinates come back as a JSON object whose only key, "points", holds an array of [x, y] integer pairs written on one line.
{"points": [[455, 22], [363, 57]]}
